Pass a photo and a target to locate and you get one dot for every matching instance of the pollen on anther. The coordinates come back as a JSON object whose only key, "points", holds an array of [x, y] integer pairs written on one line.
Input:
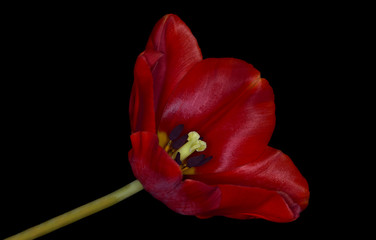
{"points": [[177, 159], [175, 133], [195, 161], [206, 160], [178, 143]]}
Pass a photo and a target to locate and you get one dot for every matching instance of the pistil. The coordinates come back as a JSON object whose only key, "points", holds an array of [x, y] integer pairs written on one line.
{"points": [[194, 144], [180, 148]]}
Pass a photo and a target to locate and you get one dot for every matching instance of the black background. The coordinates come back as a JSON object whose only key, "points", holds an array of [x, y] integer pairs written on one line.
{"points": [[65, 109]]}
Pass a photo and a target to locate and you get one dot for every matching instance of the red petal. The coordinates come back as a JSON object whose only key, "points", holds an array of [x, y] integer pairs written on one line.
{"points": [[192, 198], [171, 51], [252, 202], [227, 103], [161, 177], [273, 171], [151, 165], [141, 107]]}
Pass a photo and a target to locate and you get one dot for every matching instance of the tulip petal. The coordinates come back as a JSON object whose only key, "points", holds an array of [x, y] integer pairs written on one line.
{"points": [[161, 177], [192, 198], [229, 105], [251, 202], [171, 50], [151, 164], [141, 106], [274, 172]]}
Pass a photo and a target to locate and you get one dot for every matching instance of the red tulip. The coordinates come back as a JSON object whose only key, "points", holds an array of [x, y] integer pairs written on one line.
{"points": [[200, 130]]}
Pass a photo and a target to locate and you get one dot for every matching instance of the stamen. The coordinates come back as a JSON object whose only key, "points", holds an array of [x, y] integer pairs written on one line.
{"points": [[167, 147], [179, 142], [177, 159], [175, 133], [184, 168], [195, 161], [198, 161], [205, 160]]}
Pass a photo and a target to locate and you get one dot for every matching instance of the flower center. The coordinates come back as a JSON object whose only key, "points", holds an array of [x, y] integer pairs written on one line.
{"points": [[181, 147]]}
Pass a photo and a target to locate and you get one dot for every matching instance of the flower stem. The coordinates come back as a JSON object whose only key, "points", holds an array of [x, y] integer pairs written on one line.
{"points": [[79, 213]]}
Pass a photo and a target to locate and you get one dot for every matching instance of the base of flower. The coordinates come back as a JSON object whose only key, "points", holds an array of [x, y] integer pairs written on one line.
{"points": [[79, 213]]}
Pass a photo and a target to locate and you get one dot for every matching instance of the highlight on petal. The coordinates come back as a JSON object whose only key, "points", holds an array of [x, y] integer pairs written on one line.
{"points": [[161, 177], [227, 102], [273, 172], [171, 51]]}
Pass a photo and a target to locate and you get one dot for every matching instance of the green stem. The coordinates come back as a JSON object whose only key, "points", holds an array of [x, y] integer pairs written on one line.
{"points": [[79, 213]]}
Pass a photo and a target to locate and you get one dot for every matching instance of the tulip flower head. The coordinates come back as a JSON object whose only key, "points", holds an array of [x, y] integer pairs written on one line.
{"points": [[200, 133]]}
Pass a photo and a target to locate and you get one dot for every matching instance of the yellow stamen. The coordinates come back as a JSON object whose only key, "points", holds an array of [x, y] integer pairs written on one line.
{"points": [[189, 171], [184, 168], [168, 146]]}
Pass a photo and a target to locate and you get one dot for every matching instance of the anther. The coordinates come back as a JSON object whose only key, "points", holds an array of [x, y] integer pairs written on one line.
{"points": [[195, 161], [179, 142], [175, 133], [177, 159], [198, 161], [205, 160]]}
